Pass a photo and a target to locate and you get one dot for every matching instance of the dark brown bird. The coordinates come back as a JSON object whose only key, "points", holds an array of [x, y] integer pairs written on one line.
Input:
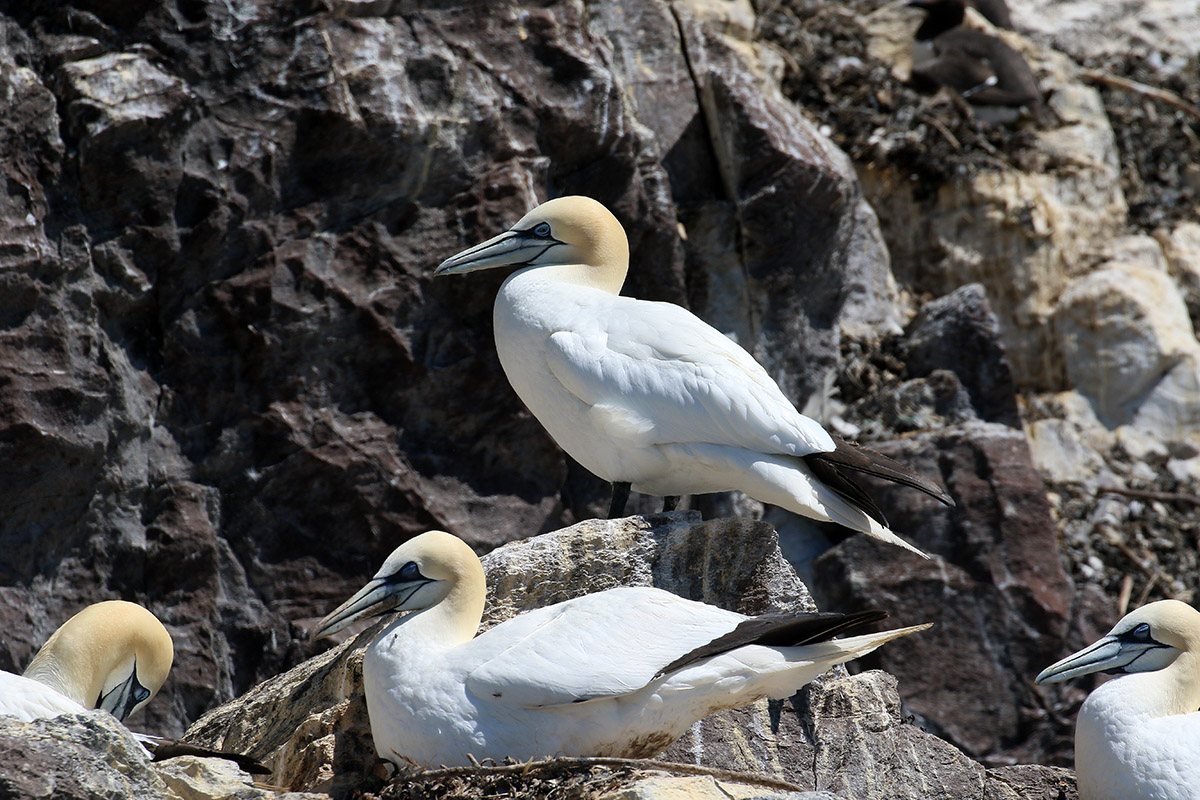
{"points": [[981, 68]]}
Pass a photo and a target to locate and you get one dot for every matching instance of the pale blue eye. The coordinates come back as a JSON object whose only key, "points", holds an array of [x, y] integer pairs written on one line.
{"points": [[542, 229], [410, 571]]}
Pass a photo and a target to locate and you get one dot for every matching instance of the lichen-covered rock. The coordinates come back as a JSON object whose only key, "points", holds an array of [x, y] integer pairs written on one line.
{"points": [[89, 756], [192, 778], [75, 758], [1088, 29], [865, 749], [670, 787], [1130, 348]]}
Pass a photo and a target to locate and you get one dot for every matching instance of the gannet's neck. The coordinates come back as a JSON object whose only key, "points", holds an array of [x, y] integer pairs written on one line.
{"points": [[1175, 689], [69, 676], [455, 618], [77, 658], [606, 278]]}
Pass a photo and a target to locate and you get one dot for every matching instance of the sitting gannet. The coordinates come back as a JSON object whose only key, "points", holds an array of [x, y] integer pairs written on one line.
{"points": [[648, 396], [112, 655], [622, 672], [979, 66], [1137, 736]]}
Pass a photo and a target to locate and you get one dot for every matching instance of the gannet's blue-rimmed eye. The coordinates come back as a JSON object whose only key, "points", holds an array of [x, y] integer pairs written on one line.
{"points": [[1139, 634], [409, 572], [543, 229]]}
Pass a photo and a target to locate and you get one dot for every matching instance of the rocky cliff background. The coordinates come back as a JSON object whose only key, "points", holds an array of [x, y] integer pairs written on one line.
{"points": [[229, 387]]}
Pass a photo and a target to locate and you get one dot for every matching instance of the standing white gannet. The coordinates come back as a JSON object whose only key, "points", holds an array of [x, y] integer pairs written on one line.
{"points": [[622, 672], [112, 655], [646, 395], [1137, 736]]}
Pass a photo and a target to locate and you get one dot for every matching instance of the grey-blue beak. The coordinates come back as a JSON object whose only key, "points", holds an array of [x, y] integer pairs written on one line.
{"points": [[379, 596], [1108, 654], [124, 698], [510, 248]]}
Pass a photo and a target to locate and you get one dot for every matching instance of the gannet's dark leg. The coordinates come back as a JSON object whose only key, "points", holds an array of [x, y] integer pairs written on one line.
{"points": [[670, 502], [620, 495]]}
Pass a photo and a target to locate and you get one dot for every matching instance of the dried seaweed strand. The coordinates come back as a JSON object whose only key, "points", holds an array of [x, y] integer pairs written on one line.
{"points": [[618, 763], [1149, 494], [1127, 551], [1123, 597], [1162, 95]]}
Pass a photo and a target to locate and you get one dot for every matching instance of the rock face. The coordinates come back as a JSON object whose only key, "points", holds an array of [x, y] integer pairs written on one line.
{"points": [[228, 386], [1022, 231], [73, 758], [841, 735], [940, 398], [86, 756], [221, 349], [994, 587], [1087, 29]]}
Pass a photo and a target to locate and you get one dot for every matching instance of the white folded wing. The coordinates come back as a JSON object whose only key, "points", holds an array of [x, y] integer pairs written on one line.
{"points": [[665, 376], [599, 645]]}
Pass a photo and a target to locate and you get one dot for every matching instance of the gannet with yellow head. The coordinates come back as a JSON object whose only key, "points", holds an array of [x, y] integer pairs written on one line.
{"points": [[622, 672], [645, 394], [1137, 737], [112, 655]]}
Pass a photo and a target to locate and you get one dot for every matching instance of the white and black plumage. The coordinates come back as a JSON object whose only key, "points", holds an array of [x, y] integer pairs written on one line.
{"points": [[1137, 737], [622, 672], [646, 395]]}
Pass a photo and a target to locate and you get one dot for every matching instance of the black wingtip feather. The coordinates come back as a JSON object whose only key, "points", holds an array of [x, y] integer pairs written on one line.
{"points": [[856, 458], [778, 630], [165, 749]]}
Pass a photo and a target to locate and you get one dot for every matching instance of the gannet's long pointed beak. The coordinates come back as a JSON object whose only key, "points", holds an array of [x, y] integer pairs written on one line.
{"points": [[1108, 654], [124, 698], [379, 596], [510, 248]]}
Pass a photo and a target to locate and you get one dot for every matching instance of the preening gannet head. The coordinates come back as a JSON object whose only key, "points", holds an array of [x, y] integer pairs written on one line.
{"points": [[1145, 640], [573, 230], [427, 570], [112, 655]]}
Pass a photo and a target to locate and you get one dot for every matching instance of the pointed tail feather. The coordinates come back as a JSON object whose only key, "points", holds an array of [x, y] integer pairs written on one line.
{"points": [[846, 513], [853, 647], [778, 630], [809, 661], [885, 534]]}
